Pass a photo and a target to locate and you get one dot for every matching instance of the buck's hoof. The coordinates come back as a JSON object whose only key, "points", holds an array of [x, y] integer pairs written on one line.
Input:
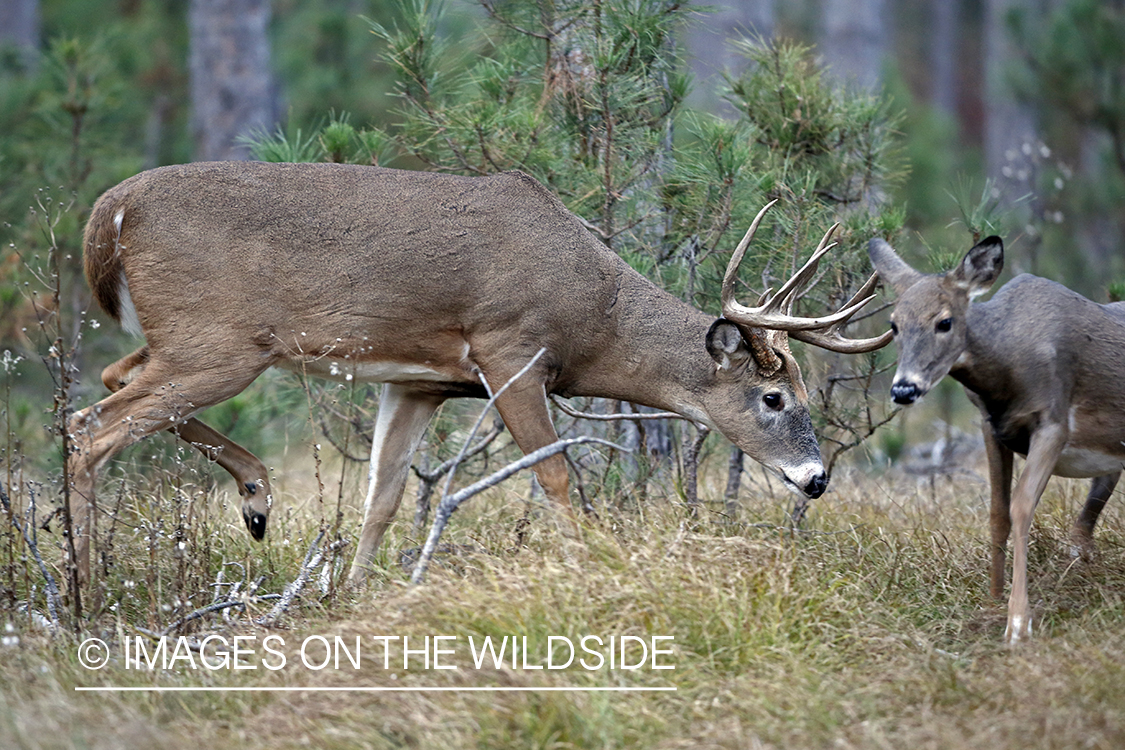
{"points": [[358, 577]]}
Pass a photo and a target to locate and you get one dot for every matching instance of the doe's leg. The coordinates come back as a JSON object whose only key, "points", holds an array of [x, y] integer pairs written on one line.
{"points": [[1082, 535], [1046, 445], [1000, 517]]}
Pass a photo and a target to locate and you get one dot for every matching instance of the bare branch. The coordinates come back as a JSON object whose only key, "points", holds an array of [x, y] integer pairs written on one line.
{"points": [[313, 558], [450, 503], [428, 478], [491, 401], [613, 417], [202, 612], [437, 473], [52, 588]]}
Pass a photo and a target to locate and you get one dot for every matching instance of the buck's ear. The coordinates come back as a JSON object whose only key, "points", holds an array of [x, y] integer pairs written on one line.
{"points": [[726, 345], [891, 268], [981, 267]]}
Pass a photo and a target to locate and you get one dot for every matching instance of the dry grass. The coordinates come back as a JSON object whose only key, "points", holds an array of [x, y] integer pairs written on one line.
{"points": [[870, 629]]}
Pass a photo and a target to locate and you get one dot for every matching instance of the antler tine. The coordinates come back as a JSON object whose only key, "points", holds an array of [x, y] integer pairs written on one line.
{"points": [[769, 313], [774, 311], [832, 339], [727, 294], [792, 288]]}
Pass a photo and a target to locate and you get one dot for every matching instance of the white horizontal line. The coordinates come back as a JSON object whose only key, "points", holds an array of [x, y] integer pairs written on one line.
{"points": [[363, 689]]}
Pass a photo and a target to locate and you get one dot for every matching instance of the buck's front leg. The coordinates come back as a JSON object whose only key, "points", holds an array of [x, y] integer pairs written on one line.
{"points": [[523, 407], [1046, 445], [403, 416], [1000, 516]]}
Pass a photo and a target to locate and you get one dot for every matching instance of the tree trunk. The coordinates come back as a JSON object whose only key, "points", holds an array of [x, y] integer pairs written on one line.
{"points": [[1098, 231], [1010, 131], [19, 28], [945, 16], [734, 481], [856, 40], [692, 445], [711, 52], [232, 87]]}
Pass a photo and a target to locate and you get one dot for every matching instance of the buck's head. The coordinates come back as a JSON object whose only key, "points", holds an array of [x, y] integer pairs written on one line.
{"points": [[759, 402], [929, 321], [759, 399]]}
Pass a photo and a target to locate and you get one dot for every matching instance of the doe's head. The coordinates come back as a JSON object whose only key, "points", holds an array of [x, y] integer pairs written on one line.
{"points": [[930, 315]]}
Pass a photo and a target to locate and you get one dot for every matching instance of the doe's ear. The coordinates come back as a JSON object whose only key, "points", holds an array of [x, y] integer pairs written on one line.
{"points": [[726, 345], [981, 267], [890, 267]]}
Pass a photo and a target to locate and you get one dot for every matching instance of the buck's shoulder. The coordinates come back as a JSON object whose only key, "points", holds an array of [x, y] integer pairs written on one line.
{"points": [[521, 186]]}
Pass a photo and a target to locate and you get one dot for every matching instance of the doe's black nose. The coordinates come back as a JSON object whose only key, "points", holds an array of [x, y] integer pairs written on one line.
{"points": [[904, 393], [817, 485]]}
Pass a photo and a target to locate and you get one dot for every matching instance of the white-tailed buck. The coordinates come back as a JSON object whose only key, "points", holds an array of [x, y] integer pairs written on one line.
{"points": [[432, 284], [1045, 366]]}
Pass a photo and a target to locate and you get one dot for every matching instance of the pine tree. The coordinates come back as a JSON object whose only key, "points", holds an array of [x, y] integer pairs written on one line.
{"points": [[588, 97]]}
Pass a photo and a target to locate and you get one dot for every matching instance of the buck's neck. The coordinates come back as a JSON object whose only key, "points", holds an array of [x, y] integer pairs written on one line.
{"points": [[654, 350]]}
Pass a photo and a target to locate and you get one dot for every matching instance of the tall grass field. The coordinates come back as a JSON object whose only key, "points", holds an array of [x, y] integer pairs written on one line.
{"points": [[869, 626]]}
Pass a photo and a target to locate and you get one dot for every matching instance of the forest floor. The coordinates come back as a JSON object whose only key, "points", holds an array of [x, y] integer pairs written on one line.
{"points": [[870, 627]]}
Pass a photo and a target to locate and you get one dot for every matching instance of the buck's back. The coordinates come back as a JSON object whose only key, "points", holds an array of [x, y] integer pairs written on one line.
{"points": [[349, 251]]}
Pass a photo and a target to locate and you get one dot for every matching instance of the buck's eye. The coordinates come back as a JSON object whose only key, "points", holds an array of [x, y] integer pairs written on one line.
{"points": [[773, 401], [944, 326], [894, 329]]}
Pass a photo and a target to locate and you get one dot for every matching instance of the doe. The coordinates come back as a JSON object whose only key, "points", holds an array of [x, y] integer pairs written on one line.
{"points": [[1045, 367]]}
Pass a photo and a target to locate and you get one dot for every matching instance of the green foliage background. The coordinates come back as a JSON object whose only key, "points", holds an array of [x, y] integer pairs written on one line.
{"points": [[589, 97]]}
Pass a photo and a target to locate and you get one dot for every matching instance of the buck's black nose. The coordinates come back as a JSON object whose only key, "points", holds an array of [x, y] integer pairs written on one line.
{"points": [[817, 485], [255, 524], [904, 393]]}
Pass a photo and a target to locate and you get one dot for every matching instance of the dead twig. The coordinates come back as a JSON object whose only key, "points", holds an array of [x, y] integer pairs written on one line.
{"points": [[428, 478], [313, 558], [52, 588], [484, 412], [450, 503], [636, 417], [201, 612]]}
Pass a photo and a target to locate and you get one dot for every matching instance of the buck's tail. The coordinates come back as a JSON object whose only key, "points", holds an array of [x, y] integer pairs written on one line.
{"points": [[105, 272]]}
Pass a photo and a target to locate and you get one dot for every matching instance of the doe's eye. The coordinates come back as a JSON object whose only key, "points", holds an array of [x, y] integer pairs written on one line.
{"points": [[944, 326], [773, 401]]}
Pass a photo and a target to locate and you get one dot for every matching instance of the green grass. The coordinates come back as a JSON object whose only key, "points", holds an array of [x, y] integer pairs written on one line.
{"points": [[871, 628]]}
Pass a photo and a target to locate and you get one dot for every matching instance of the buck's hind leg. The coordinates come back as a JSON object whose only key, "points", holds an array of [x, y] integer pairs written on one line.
{"points": [[249, 473], [160, 396], [403, 416], [1082, 535]]}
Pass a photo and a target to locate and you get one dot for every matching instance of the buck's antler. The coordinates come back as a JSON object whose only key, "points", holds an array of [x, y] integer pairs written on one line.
{"points": [[774, 311]]}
